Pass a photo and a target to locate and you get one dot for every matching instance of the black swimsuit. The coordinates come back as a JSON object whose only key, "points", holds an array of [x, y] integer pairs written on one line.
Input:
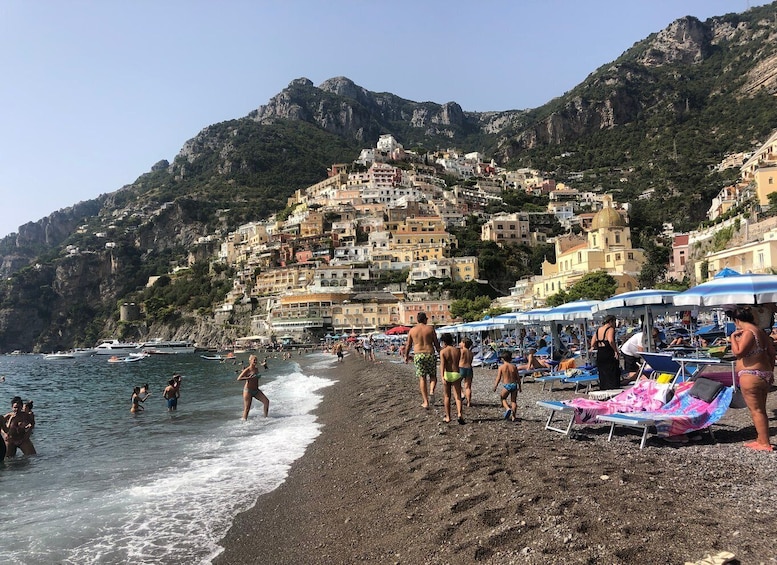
{"points": [[606, 363]]}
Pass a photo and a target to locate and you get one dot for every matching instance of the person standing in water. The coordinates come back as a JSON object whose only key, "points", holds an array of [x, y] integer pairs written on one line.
{"points": [[251, 389]]}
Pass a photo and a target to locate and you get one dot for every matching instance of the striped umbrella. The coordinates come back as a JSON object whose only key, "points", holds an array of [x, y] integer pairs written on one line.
{"points": [[742, 289], [576, 311], [647, 300]]}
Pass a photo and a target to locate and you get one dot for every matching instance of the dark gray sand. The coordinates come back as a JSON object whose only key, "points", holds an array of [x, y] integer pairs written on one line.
{"points": [[390, 482]]}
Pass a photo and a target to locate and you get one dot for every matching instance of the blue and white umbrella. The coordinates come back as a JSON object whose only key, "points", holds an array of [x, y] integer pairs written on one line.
{"points": [[576, 311], [647, 300], [531, 316], [627, 302], [481, 326], [742, 289], [508, 319]]}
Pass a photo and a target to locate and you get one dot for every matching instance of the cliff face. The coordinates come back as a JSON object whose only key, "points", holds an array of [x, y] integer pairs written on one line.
{"points": [[341, 107]]}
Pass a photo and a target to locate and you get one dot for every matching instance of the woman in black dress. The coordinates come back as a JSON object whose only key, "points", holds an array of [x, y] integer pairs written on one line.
{"points": [[607, 356]]}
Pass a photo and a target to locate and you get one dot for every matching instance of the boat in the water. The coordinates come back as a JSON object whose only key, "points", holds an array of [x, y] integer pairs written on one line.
{"points": [[212, 357], [59, 355], [161, 347], [131, 358], [115, 347]]}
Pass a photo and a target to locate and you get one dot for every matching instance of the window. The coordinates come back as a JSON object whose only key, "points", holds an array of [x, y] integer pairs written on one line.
{"points": [[617, 238]]}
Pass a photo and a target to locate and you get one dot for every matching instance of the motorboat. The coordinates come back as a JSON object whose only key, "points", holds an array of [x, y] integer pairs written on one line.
{"points": [[82, 351], [115, 347], [161, 347], [212, 357], [59, 355], [131, 358]]}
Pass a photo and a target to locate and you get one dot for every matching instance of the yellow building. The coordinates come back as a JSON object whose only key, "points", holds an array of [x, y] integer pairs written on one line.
{"points": [[754, 257], [283, 279], [607, 247]]}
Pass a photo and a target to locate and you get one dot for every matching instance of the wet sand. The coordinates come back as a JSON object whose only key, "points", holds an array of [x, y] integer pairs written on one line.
{"points": [[390, 482]]}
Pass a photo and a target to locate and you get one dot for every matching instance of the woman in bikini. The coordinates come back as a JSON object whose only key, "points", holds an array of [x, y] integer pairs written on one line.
{"points": [[251, 389], [755, 352]]}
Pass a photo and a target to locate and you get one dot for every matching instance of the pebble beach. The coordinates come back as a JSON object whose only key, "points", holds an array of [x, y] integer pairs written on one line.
{"points": [[389, 482]]}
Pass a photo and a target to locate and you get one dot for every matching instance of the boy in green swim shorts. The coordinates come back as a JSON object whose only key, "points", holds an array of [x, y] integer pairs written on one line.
{"points": [[451, 378]]}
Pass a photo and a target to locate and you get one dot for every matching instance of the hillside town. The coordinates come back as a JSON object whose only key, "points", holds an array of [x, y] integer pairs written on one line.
{"points": [[342, 255]]}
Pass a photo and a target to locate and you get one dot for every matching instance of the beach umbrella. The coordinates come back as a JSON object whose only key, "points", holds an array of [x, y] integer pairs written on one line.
{"points": [[481, 326], [647, 300], [530, 316], [508, 319], [576, 311], [397, 330], [742, 289], [726, 272]]}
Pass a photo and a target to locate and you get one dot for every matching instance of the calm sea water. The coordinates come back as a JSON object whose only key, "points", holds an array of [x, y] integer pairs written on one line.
{"points": [[111, 487]]}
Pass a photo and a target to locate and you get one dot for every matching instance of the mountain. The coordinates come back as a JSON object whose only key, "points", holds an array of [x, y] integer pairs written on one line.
{"points": [[656, 119]]}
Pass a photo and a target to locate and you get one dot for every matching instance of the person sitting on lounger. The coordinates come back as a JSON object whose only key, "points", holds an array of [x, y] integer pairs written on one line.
{"points": [[532, 361]]}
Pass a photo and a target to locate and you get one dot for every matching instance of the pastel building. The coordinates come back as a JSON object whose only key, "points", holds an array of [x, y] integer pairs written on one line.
{"points": [[607, 247]]}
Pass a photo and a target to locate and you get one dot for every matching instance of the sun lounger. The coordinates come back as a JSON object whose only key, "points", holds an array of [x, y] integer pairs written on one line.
{"points": [[681, 415], [587, 379], [551, 378], [644, 395], [535, 373]]}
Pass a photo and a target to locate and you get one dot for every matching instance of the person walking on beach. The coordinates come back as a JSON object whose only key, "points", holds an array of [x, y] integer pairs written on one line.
{"points": [[451, 378], [755, 353], [338, 350], [511, 385], [422, 340], [465, 369], [251, 389]]}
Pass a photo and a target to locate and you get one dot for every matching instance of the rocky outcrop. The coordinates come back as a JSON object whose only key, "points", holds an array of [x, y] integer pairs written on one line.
{"points": [[686, 41]]}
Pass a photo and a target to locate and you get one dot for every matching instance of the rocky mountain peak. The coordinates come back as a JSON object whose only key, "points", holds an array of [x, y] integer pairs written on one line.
{"points": [[686, 41]]}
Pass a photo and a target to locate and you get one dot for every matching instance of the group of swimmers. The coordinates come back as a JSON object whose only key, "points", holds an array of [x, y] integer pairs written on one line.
{"points": [[171, 394], [16, 428]]}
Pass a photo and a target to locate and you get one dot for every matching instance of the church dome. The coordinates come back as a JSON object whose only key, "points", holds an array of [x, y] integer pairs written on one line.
{"points": [[608, 217]]}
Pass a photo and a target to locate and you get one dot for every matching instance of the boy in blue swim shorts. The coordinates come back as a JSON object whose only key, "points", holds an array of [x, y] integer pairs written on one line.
{"points": [[511, 385]]}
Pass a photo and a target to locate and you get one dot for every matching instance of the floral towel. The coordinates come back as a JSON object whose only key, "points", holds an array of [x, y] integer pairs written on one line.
{"points": [[684, 413], [644, 395]]}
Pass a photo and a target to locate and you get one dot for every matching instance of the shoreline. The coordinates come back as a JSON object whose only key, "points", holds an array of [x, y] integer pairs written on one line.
{"points": [[387, 481]]}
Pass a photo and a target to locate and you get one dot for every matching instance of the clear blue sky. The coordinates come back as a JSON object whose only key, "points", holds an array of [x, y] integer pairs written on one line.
{"points": [[93, 93]]}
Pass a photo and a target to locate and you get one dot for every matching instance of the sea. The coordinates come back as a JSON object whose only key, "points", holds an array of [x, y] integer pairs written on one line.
{"points": [[108, 486]]}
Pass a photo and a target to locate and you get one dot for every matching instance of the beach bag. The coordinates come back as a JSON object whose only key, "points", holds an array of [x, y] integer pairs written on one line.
{"points": [[705, 389]]}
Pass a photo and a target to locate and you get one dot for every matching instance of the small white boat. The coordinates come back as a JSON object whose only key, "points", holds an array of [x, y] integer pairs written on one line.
{"points": [[59, 355], [131, 358], [212, 357]]}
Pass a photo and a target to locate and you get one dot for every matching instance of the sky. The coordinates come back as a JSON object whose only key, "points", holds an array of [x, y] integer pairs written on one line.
{"points": [[93, 93]]}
